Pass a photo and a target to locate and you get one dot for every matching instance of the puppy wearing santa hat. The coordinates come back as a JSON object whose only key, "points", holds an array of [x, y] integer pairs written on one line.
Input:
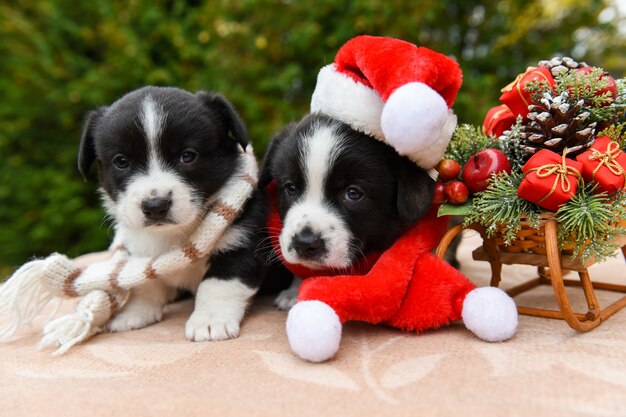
{"points": [[350, 189]]}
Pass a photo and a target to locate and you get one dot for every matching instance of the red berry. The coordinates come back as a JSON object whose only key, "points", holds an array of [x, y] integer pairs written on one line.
{"points": [[439, 196], [456, 192], [448, 169]]}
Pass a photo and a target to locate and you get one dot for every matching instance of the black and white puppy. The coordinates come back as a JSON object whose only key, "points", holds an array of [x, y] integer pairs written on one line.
{"points": [[162, 154], [341, 194]]}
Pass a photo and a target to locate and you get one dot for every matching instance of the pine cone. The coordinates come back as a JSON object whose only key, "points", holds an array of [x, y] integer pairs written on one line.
{"points": [[558, 65], [557, 125]]}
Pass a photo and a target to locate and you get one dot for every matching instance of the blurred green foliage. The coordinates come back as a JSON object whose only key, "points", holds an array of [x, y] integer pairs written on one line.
{"points": [[61, 58]]}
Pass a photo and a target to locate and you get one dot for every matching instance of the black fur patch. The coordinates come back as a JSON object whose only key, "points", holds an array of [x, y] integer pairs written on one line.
{"points": [[247, 263]]}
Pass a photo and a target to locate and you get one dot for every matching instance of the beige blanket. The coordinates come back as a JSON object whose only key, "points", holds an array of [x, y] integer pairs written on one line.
{"points": [[547, 369]]}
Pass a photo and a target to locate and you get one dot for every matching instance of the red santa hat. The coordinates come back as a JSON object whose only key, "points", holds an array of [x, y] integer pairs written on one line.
{"points": [[394, 91]]}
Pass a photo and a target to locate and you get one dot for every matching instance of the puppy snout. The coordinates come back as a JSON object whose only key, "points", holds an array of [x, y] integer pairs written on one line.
{"points": [[156, 208], [308, 244]]}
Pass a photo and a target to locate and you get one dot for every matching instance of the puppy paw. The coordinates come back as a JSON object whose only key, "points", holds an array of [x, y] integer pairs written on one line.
{"points": [[286, 299], [136, 316], [289, 297], [201, 327], [220, 306]]}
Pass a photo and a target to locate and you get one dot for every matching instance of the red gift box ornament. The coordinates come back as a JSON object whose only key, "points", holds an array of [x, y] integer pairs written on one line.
{"points": [[515, 96], [550, 180], [604, 164], [497, 120]]}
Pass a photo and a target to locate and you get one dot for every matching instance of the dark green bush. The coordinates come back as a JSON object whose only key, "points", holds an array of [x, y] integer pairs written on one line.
{"points": [[59, 59]]}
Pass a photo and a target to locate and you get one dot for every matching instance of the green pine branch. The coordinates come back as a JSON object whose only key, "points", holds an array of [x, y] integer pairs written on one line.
{"points": [[621, 91], [591, 223], [584, 86], [511, 144], [500, 208], [466, 141], [537, 88], [613, 114], [616, 132]]}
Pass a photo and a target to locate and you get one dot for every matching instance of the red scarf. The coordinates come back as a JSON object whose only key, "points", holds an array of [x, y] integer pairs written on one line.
{"points": [[406, 286]]}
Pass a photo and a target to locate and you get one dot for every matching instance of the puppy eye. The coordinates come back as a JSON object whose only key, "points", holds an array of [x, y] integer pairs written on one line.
{"points": [[353, 193], [290, 189], [120, 161], [188, 156]]}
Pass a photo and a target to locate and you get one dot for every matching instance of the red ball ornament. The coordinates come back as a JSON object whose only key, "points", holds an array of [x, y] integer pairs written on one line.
{"points": [[480, 167]]}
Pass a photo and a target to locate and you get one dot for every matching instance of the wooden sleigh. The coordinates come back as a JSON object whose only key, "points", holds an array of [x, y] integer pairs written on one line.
{"points": [[540, 248]]}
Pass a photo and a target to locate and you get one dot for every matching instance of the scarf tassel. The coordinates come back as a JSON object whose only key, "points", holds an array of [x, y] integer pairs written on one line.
{"points": [[23, 296], [90, 317]]}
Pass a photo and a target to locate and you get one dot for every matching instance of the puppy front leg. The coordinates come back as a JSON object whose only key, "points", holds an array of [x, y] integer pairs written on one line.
{"points": [[144, 307], [220, 306], [223, 296]]}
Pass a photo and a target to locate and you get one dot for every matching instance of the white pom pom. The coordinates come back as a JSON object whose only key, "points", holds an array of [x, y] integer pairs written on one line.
{"points": [[490, 314], [415, 121], [313, 330]]}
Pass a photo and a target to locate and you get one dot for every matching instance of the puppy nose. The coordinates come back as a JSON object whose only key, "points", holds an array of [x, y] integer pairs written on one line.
{"points": [[308, 244], [156, 208]]}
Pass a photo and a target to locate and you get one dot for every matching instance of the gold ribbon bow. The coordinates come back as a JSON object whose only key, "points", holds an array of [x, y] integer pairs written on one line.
{"points": [[608, 159], [562, 172], [513, 83]]}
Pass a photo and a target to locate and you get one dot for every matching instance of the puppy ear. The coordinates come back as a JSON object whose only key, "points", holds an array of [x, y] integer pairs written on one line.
{"points": [[87, 147], [415, 191], [266, 175], [218, 103]]}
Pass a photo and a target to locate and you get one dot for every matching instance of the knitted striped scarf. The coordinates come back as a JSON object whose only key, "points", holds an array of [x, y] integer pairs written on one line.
{"points": [[103, 287]]}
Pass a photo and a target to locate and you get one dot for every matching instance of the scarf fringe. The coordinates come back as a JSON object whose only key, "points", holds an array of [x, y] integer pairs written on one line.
{"points": [[22, 297], [90, 317]]}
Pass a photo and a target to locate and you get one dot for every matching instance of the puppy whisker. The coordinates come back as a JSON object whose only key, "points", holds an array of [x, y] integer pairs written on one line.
{"points": [[260, 248], [107, 221], [272, 259]]}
